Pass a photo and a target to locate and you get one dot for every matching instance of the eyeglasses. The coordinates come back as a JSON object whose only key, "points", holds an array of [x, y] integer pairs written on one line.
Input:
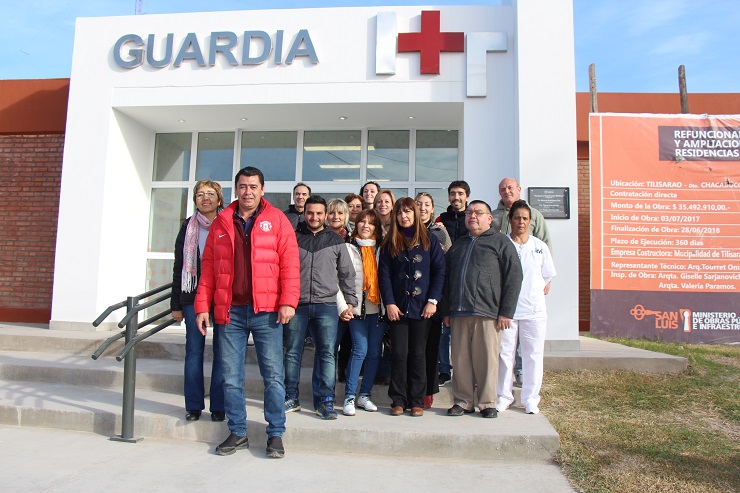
{"points": [[202, 195], [477, 213]]}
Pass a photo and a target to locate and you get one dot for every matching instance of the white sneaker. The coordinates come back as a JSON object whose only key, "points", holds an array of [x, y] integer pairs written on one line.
{"points": [[365, 403], [349, 406], [532, 410]]}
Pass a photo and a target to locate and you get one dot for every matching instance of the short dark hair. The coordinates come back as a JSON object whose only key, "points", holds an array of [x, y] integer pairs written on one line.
{"points": [[315, 199], [459, 184], [352, 196], [483, 203], [249, 171], [362, 189], [301, 184], [519, 204]]}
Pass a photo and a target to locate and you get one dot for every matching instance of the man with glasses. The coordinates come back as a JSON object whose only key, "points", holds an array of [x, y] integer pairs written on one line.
{"points": [[482, 282]]}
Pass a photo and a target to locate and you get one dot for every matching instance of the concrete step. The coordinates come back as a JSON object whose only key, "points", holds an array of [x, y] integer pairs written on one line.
{"points": [[167, 344], [90, 464], [161, 375], [593, 354], [512, 436]]}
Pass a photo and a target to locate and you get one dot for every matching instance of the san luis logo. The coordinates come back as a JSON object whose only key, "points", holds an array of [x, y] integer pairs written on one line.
{"points": [[664, 319]]}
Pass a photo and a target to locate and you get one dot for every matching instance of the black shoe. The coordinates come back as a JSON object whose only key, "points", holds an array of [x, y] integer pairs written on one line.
{"points": [[218, 416], [326, 410], [192, 416], [232, 444], [489, 412], [444, 378], [275, 449], [458, 410]]}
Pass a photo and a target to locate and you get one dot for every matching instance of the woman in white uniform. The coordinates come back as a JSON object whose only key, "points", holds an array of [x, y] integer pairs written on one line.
{"points": [[530, 320]]}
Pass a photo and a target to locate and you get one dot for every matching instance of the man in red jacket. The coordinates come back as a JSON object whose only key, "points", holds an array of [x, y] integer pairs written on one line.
{"points": [[250, 278]]}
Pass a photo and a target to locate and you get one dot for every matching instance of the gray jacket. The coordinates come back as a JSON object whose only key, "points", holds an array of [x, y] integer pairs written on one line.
{"points": [[326, 267], [483, 276]]}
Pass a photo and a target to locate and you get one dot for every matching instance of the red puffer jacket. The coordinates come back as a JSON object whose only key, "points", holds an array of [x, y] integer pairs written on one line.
{"points": [[276, 278]]}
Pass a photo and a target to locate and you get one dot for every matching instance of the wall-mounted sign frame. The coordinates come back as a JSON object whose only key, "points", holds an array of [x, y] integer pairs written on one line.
{"points": [[552, 202]]}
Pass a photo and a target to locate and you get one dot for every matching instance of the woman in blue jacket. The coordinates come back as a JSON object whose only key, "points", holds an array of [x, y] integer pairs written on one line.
{"points": [[411, 272]]}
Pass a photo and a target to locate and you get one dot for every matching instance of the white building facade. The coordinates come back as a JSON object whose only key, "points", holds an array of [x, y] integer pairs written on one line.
{"points": [[410, 97]]}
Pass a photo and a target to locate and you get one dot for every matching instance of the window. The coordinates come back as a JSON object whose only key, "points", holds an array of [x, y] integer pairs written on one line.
{"points": [[436, 155], [331, 156], [333, 162], [172, 157], [215, 159], [168, 211], [274, 153], [388, 155]]}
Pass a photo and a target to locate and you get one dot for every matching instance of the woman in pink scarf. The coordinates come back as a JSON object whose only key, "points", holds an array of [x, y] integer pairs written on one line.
{"points": [[191, 240]]}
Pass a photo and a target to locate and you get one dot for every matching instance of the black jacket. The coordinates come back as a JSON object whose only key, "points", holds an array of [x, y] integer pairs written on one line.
{"points": [[294, 216], [178, 297], [454, 222], [483, 276]]}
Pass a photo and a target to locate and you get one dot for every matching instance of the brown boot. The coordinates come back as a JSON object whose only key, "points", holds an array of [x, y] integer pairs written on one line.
{"points": [[417, 412], [396, 410]]}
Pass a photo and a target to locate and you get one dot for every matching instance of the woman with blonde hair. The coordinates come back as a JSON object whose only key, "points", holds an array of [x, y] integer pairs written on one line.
{"points": [[189, 246], [411, 272], [337, 217], [383, 205]]}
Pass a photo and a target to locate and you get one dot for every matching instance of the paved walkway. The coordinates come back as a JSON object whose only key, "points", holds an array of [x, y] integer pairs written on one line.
{"points": [[37, 459]]}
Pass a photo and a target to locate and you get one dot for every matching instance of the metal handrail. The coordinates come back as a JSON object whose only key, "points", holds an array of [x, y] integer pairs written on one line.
{"points": [[128, 353], [133, 312], [133, 342]]}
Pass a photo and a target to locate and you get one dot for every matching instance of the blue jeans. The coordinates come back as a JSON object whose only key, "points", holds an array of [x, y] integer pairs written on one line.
{"points": [[195, 344], [367, 343], [322, 318], [444, 351], [267, 338]]}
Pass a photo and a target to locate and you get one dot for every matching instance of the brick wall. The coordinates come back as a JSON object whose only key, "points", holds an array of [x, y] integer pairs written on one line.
{"points": [[30, 173], [584, 245]]}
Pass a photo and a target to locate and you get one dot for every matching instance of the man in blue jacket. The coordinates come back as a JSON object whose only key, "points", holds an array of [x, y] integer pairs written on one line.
{"points": [[482, 283]]}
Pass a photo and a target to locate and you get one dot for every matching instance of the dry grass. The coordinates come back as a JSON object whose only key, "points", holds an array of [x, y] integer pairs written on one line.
{"points": [[629, 432]]}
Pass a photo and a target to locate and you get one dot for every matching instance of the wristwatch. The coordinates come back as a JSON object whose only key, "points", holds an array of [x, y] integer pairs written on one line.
{"points": [[432, 301]]}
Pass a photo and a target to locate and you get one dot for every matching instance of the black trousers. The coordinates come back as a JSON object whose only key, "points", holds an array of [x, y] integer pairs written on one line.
{"points": [[408, 362]]}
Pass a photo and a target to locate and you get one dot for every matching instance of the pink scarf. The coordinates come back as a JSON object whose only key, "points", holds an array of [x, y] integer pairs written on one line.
{"points": [[190, 251]]}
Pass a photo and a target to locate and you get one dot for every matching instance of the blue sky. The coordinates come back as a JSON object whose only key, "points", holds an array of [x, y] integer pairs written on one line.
{"points": [[637, 45]]}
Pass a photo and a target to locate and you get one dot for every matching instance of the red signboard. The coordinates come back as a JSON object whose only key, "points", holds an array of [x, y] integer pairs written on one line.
{"points": [[665, 226]]}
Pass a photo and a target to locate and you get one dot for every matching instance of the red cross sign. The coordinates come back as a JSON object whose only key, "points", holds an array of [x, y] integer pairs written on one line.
{"points": [[430, 42]]}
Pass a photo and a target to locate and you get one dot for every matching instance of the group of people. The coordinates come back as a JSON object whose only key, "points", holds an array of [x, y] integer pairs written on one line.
{"points": [[454, 294]]}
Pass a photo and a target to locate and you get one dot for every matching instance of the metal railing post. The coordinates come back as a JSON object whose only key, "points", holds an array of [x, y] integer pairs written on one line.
{"points": [[129, 379]]}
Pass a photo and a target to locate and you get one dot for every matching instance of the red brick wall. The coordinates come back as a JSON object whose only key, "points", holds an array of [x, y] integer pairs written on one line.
{"points": [[30, 173], [584, 245]]}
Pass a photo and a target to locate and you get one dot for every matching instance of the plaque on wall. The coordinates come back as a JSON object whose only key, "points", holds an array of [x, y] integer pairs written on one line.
{"points": [[553, 203]]}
